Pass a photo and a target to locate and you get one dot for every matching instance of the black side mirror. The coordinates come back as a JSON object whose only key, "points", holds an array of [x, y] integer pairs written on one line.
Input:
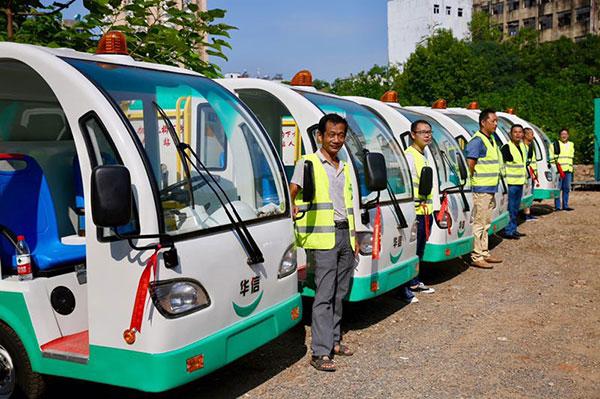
{"points": [[308, 183], [556, 148], [426, 181], [462, 169], [406, 139], [111, 195], [375, 171]]}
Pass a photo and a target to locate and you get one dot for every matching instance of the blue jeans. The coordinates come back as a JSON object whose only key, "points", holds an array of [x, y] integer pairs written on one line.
{"points": [[515, 192], [565, 187], [421, 241]]}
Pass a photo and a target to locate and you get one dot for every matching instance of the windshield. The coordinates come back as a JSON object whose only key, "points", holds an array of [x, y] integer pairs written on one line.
{"points": [[211, 120], [367, 131], [443, 142], [546, 140], [504, 126]]}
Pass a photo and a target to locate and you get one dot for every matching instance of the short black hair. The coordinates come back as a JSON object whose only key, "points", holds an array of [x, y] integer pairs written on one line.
{"points": [[516, 125], [527, 129], [565, 129], [413, 126], [485, 114], [333, 118]]}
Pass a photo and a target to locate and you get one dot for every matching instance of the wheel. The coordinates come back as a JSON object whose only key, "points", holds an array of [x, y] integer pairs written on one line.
{"points": [[16, 375]]}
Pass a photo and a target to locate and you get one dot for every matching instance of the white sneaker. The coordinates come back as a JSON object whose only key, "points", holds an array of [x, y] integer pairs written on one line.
{"points": [[422, 288], [414, 300]]}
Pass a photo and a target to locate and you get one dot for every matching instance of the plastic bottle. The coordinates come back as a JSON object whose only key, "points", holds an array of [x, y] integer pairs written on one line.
{"points": [[23, 259]]}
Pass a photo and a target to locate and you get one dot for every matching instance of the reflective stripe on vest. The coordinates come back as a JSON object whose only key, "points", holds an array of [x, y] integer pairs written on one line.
{"points": [[487, 169], [316, 229], [419, 163], [515, 169], [567, 153]]}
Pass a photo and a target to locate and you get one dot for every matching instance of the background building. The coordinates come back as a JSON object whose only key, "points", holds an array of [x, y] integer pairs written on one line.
{"points": [[410, 22], [552, 18]]}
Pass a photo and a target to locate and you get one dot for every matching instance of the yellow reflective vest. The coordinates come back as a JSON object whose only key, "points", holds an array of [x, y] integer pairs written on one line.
{"points": [[516, 172], [423, 205], [567, 153], [487, 169], [316, 229]]}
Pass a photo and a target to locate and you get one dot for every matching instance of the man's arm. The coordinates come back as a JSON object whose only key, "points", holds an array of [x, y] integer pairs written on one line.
{"points": [[294, 190], [471, 162]]}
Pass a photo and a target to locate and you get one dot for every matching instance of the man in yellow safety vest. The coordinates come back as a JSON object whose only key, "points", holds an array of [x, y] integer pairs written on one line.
{"points": [[326, 232], [565, 159], [421, 134], [483, 158], [528, 140], [515, 157]]}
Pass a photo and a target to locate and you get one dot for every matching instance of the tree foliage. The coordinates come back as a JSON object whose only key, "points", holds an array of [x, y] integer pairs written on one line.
{"points": [[157, 30], [551, 84]]}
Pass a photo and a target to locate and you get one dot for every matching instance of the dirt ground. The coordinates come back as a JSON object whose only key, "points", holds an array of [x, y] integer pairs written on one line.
{"points": [[530, 328]]}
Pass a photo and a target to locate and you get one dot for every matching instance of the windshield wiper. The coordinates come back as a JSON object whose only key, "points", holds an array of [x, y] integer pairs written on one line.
{"points": [[460, 186], [252, 250]]}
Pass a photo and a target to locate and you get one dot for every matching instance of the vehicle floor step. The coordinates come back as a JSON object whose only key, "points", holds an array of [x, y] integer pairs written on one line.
{"points": [[74, 348]]}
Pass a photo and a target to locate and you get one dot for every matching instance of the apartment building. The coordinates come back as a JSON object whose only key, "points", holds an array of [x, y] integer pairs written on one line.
{"points": [[411, 22], [552, 18]]}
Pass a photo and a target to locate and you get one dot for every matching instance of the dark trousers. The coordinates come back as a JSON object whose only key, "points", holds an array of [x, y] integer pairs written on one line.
{"points": [[565, 187], [515, 193], [333, 272], [421, 241]]}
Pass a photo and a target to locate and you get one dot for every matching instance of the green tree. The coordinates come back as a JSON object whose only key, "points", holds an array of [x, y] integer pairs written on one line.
{"points": [[372, 83], [157, 30]]}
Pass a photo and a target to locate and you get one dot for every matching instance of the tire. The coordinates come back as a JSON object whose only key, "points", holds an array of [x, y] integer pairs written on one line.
{"points": [[21, 380]]}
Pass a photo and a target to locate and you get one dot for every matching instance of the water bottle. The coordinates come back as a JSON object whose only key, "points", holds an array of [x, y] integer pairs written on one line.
{"points": [[23, 260]]}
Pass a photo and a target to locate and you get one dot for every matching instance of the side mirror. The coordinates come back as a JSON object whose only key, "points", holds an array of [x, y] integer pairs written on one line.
{"points": [[462, 169], [308, 183], [111, 196], [556, 148], [426, 181], [375, 171]]}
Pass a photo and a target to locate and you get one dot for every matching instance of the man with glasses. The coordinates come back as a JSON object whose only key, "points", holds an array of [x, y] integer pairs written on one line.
{"points": [[515, 160], [483, 158], [421, 134], [326, 231]]}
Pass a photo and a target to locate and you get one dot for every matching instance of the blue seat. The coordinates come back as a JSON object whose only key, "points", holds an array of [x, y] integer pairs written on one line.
{"points": [[27, 209]]}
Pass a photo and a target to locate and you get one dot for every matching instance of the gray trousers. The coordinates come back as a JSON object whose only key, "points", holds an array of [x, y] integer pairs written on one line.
{"points": [[333, 271]]}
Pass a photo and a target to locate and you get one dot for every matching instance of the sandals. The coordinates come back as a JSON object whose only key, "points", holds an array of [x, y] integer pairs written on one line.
{"points": [[342, 350], [322, 363]]}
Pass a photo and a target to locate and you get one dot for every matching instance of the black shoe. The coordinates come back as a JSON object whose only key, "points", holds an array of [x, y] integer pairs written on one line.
{"points": [[557, 209], [520, 234], [569, 209], [509, 236]]}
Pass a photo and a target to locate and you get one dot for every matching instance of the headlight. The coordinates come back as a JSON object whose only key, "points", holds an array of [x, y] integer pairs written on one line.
{"points": [[365, 243], [445, 222], [548, 175], [289, 262], [413, 231], [178, 297]]}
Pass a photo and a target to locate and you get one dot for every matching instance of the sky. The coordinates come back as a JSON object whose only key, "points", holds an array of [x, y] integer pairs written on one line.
{"points": [[331, 38]]}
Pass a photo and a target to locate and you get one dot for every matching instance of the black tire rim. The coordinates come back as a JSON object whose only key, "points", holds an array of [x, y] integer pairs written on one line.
{"points": [[7, 374]]}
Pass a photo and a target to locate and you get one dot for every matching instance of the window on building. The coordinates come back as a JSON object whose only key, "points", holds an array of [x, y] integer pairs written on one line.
{"points": [[498, 9], [580, 38], [529, 3], [460, 12], [513, 28], [546, 1], [500, 28], [529, 23], [513, 5], [436, 8], [448, 10], [546, 22], [583, 14], [564, 19]]}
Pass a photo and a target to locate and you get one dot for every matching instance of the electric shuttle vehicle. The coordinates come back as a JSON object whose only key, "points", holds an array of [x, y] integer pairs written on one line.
{"points": [[451, 232], [290, 115], [156, 256], [500, 215], [547, 173]]}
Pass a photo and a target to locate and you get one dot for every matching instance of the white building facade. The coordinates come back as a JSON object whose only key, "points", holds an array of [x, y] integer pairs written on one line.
{"points": [[411, 22]]}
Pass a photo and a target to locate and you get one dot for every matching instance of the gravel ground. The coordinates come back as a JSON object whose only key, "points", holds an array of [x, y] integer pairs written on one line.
{"points": [[530, 328]]}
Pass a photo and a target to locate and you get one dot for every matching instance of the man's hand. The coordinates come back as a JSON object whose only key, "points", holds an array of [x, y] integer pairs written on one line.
{"points": [[295, 211]]}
